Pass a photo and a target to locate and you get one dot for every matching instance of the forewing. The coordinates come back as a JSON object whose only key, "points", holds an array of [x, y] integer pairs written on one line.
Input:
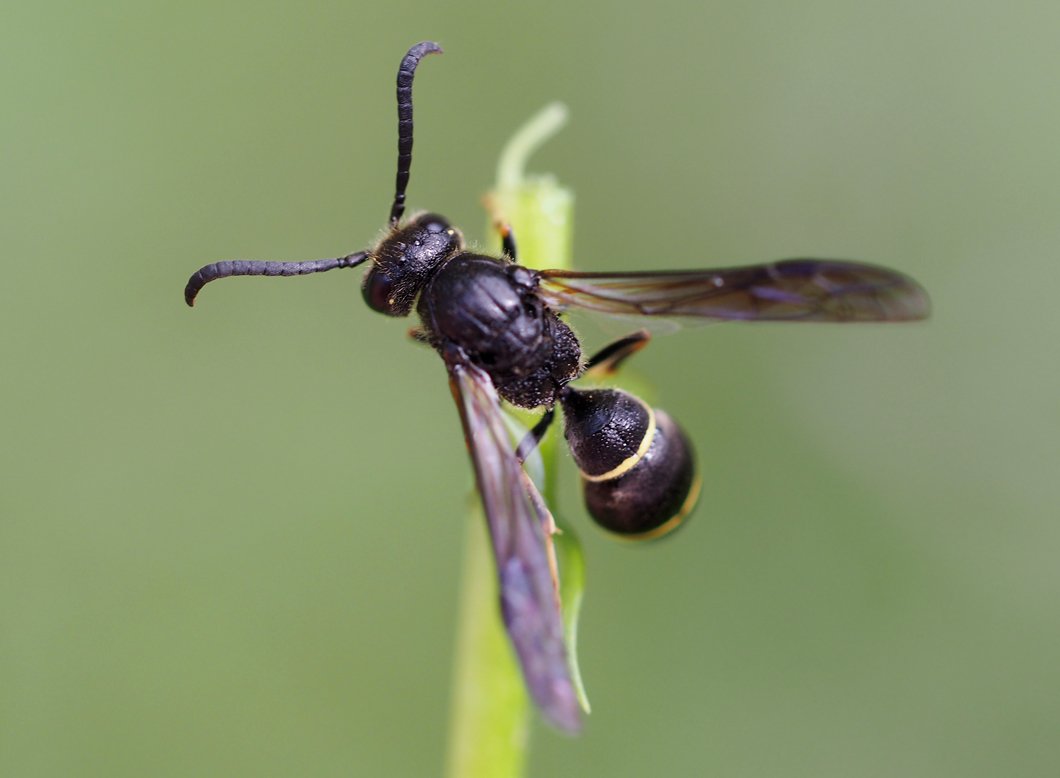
{"points": [[790, 290], [519, 524]]}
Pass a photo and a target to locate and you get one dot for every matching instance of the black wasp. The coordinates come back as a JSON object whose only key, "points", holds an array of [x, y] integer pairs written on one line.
{"points": [[496, 325]]}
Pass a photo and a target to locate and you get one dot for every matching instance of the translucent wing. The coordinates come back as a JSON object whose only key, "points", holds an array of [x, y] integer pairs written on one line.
{"points": [[520, 527], [790, 290]]}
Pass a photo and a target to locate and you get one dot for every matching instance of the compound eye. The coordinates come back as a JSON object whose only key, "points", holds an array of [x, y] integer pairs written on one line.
{"points": [[378, 291]]}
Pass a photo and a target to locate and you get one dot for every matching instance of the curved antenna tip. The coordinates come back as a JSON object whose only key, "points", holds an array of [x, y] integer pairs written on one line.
{"points": [[430, 47]]}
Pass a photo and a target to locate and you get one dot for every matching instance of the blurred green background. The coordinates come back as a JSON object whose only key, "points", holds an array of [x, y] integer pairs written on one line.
{"points": [[230, 537]]}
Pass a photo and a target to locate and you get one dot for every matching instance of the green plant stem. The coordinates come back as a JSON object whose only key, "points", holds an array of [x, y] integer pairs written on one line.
{"points": [[489, 722]]}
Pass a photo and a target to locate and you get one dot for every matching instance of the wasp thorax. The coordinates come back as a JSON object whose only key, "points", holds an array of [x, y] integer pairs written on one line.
{"points": [[638, 470], [405, 259]]}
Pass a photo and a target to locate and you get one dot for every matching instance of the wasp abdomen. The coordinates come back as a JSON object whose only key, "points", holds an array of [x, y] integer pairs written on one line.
{"points": [[638, 469]]}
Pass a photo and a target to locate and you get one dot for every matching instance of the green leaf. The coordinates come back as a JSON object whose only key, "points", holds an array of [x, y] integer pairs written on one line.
{"points": [[571, 563], [489, 719]]}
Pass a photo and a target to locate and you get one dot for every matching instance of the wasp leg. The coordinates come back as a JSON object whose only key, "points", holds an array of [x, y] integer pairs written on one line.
{"points": [[534, 436], [607, 360], [419, 335], [507, 239], [503, 227]]}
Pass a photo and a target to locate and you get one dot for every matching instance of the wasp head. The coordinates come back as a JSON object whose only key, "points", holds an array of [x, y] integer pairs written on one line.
{"points": [[405, 259]]}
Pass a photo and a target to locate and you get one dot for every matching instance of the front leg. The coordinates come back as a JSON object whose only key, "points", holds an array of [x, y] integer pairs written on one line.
{"points": [[507, 239], [420, 335]]}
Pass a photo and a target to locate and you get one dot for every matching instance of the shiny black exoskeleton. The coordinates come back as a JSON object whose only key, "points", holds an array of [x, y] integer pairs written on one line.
{"points": [[638, 468], [637, 465], [486, 308]]}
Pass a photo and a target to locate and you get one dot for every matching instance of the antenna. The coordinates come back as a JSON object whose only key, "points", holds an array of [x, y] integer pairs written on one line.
{"points": [[246, 267], [406, 71]]}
